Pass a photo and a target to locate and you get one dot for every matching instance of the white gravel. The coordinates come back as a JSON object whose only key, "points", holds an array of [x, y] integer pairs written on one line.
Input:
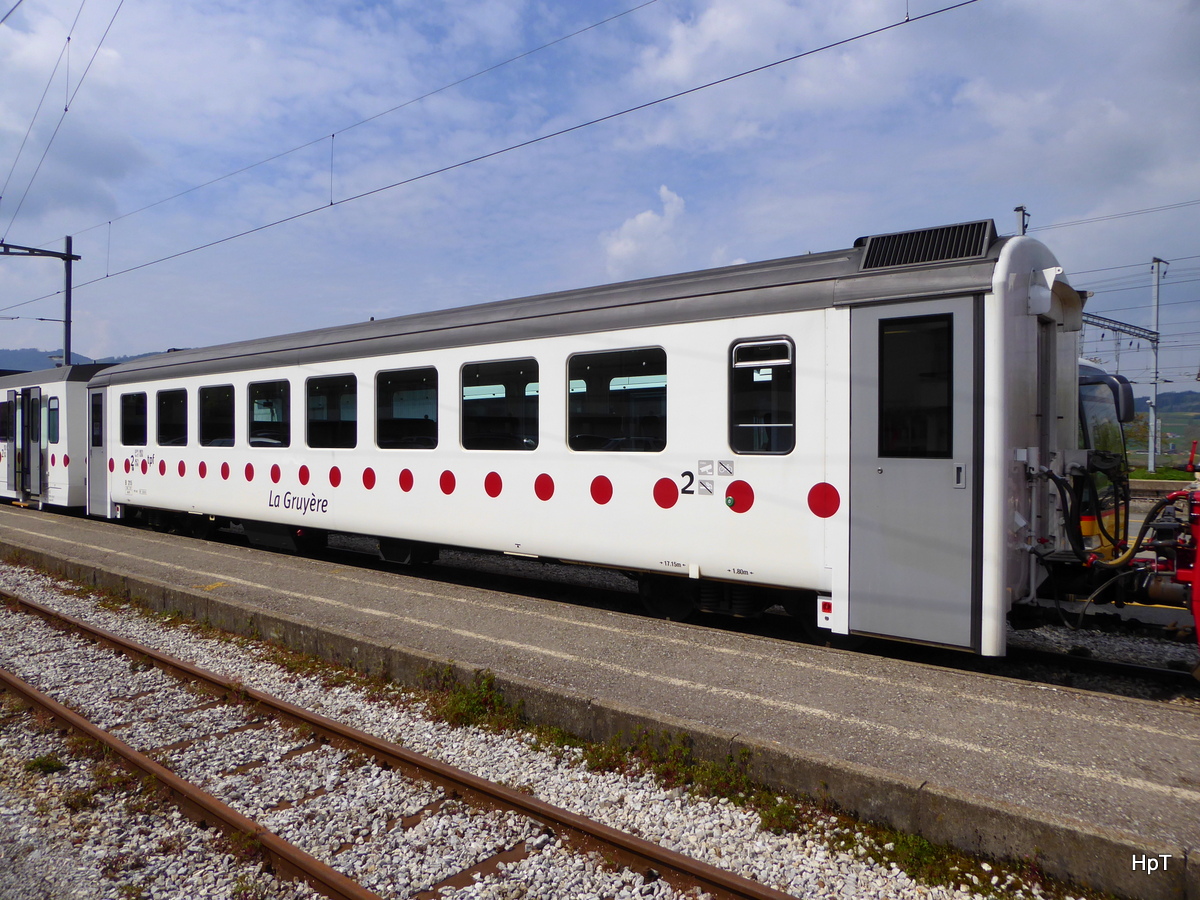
{"points": [[61, 854]]}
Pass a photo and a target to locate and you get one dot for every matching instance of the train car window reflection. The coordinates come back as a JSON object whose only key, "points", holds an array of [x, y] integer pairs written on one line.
{"points": [[762, 397], [52, 420], [617, 401], [172, 418], [270, 414], [406, 409], [333, 411], [500, 405], [216, 416], [915, 408], [133, 420]]}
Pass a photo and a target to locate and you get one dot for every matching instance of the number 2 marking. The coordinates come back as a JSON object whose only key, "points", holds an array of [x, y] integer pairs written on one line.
{"points": [[691, 479]]}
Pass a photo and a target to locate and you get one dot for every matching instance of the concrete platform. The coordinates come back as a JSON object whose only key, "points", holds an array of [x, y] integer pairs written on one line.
{"points": [[1086, 784]]}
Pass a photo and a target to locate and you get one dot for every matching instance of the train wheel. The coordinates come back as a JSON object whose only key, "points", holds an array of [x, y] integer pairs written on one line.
{"points": [[668, 598]]}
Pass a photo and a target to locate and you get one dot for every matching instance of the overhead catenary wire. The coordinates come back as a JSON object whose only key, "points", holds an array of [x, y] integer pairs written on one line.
{"points": [[519, 145], [66, 109], [10, 12], [371, 118], [45, 92]]}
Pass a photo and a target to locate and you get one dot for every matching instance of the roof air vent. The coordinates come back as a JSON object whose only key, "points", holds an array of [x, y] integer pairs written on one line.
{"points": [[970, 240]]}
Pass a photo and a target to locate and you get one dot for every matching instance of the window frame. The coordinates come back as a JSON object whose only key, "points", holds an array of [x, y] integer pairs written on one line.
{"points": [[737, 393], [518, 439], [624, 441], [159, 397], [128, 429], [285, 432], [891, 384], [338, 439], [52, 420], [205, 421], [396, 442]]}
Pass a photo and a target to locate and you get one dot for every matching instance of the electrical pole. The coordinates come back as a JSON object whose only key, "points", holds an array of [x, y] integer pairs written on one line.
{"points": [[68, 257], [1022, 219], [1152, 447]]}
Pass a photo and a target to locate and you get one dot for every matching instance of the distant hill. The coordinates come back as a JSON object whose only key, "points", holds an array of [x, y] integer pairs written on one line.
{"points": [[28, 359], [1171, 401]]}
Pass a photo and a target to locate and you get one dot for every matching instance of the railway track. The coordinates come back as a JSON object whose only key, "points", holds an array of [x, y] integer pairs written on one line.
{"points": [[208, 708]]}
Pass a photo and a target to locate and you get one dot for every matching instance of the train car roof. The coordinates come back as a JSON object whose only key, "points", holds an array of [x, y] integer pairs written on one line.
{"points": [[50, 376], [927, 263]]}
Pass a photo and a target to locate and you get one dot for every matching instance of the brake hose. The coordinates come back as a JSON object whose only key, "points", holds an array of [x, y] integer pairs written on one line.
{"points": [[1136, 546], [1070, 512]]}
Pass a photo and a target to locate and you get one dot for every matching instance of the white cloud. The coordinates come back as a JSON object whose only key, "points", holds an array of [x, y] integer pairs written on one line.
{"points": [[1073, 109], [645, 244]]}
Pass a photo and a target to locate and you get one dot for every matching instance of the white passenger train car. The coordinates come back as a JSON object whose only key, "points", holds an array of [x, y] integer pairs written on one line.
{"points": [[43, 436], [851, 433]]}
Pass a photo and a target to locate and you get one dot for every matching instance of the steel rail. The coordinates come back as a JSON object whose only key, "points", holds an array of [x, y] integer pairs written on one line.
{"points": [[288, 860], [585, 834], [1098, 665]]}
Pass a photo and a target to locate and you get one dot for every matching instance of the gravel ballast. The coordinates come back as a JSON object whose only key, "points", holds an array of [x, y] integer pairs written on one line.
{"points": [[61, 853]]}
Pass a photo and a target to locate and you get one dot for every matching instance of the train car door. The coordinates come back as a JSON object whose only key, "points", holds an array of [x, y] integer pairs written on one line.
{"points": [[97, 459], [34, 448], [8, 426], [915, 482]]}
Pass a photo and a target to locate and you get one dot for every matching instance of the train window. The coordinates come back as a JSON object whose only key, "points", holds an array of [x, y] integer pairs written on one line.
{"points": [[617, 401], [762, 397], [216, 416], [500, 405], [270, 414], [333, 411], [172, 418], [406, 408], [6, 415], [133, 420], [97, 419], [914, 387], [52, 420]]}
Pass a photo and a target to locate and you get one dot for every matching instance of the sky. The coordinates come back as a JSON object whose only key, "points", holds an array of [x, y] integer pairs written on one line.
{"points": [[230, 170]]}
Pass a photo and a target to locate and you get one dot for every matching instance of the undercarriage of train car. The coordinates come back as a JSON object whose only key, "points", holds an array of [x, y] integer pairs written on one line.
{"points": [[1101, 563]]}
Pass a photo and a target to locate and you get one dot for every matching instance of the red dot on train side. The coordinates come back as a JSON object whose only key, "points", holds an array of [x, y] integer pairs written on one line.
{"points": [[162, 467], [739, 496], [335, 476], [824, 500], [182, 468], [111, 464], [249, 471], [368, 478], [52, 460], [602, 489], [406, 480], [447, 482], [66, 460], [203, 469], [145, 467], [666, 493], [303, 474], [543, 486], [225, 470], [276, 474], [493, 484]]}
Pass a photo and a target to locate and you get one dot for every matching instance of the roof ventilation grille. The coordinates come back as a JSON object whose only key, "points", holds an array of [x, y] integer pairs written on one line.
{"points": [[970, 240]]}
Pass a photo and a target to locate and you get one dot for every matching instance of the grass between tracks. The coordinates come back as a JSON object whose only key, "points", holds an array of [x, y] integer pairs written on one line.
{"points": [[669, 757]]}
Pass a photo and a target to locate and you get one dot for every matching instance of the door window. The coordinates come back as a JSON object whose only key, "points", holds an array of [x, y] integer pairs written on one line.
{"points": [[915, 408]]}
